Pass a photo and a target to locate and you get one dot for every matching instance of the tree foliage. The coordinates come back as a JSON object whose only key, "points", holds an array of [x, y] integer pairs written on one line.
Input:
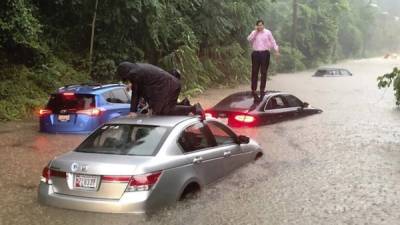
{"points": [[389, 79], [44, 44]]}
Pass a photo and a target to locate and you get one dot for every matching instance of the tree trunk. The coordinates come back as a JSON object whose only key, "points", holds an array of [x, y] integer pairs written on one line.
{"points": [[92, 37], [294, 31]]}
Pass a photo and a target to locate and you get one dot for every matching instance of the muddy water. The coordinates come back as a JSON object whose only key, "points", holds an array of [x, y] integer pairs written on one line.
{"points": [[338, 167]]}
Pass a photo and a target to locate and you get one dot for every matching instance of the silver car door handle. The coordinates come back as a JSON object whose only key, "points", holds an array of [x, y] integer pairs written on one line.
{"points": [[197, 160], [227, 153]]}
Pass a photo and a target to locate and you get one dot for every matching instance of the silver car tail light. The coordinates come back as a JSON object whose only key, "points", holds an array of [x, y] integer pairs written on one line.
{"points": [[47, 173], [135, 183], [143, 182]]}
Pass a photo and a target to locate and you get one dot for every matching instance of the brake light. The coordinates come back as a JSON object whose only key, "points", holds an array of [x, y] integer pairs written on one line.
{"points": [[209, 114], [45, 175], [91, 112], [48, 173], [121, 179], [245, 118], [68, 93], [45, 112], [143, 182]]}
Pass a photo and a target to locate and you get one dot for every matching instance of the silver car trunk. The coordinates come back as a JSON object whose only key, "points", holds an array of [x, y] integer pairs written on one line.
{"points": [[91, 170]]}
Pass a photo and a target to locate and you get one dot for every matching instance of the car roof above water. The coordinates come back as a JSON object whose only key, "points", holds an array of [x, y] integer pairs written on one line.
{"points": [[241, 101], [88, 88], [163, 121]]}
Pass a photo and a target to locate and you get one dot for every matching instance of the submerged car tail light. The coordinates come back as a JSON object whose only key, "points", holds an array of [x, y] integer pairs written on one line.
{"points": [[45, 175], [90, 112], [48, 173], [245, 118], [210, 114], [143, 182], [45, 112]]}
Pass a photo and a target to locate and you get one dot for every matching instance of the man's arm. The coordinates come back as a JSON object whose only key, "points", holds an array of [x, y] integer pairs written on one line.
{"points": [[135, 98], [273, 42], [252, 36]]}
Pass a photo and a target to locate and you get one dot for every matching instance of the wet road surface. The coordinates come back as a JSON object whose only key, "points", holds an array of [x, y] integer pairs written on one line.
{"points": [[338, 167]]}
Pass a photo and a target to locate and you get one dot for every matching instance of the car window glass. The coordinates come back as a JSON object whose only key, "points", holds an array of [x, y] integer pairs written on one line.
{"points": [[223, 135], [74, 102], [193, 138], [108, 96], [124, 140], [344, 72], [237, 102], [120, 96], [293, 101], [275, 102]]}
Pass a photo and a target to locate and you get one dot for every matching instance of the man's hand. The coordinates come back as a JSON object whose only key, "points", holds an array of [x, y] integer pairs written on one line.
{"points": [[132, 115], [256, 29], [278, 56]]}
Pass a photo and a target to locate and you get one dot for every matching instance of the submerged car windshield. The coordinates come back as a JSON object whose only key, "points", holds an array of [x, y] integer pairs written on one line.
{"points": [[124, 139], [238, 102]]}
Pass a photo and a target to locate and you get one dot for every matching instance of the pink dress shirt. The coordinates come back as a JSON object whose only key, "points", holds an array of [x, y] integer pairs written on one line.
{"points": [[263, 40]]}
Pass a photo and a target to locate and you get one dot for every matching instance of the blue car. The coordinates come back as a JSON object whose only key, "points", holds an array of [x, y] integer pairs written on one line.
{"points": [[83, 108]]}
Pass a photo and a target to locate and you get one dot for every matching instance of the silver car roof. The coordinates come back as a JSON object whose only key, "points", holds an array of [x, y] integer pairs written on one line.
{"points": [[164, 121]]}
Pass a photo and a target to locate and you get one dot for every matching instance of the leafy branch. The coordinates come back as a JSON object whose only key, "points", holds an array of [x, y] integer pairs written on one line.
{"points": [[391, 78]]}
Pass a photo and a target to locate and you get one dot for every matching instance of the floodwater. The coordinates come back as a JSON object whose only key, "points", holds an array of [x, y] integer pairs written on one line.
{"points": [[338, 167]]}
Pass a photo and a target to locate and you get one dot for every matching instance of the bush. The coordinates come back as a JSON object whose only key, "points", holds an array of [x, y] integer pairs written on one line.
{"points": [[290, 60], [104, 71], [391, 78], [23, 90]]}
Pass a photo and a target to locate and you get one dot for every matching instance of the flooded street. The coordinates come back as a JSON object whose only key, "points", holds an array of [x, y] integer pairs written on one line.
{"points": [[338, 167]]}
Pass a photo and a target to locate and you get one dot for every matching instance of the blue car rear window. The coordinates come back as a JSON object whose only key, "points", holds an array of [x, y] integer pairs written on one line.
{"points": [[70, 102], [124, 139]]}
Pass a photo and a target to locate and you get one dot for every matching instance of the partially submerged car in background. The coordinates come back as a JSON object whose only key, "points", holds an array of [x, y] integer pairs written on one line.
{"points": [[240, 109], [82, 108], [137, 165], [332, 72]]}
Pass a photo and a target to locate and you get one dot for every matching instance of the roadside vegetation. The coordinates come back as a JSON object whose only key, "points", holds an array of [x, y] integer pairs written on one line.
{"points": [[391, 79], [45, 44]]}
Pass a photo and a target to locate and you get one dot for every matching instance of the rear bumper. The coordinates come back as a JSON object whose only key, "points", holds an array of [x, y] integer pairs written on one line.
{"points": [[131, 202], [81, 126]]}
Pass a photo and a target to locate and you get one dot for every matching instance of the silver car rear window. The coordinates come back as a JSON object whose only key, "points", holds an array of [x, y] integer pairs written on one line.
{"points": [[125, 139]]}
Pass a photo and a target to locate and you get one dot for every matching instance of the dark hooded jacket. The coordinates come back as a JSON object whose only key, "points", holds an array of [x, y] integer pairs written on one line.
{"points": [[150, 82]]}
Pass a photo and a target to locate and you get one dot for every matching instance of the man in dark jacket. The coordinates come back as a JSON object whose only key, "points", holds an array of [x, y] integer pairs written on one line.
{"points": [[158, 87]]}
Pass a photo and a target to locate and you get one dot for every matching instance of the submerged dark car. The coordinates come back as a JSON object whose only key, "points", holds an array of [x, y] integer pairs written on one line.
{"points": [[332, 72], [240, 109]]}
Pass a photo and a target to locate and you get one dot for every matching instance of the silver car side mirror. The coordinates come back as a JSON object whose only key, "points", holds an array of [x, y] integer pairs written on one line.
{"points": [[243, 139]]}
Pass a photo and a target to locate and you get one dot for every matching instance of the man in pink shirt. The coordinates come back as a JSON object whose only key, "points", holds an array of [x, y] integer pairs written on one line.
{"points": [[262, 42]]}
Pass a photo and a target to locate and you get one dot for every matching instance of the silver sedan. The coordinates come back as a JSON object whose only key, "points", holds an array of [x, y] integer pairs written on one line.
{"points": [[139, 165]]}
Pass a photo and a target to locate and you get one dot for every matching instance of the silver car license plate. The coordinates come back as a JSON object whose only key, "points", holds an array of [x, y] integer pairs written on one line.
{"points": [[63, 118], [86, 182]]}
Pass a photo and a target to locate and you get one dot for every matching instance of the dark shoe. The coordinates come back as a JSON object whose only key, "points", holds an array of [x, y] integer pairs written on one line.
{"points": [[255, 96], [262, 95], [199, 111]]}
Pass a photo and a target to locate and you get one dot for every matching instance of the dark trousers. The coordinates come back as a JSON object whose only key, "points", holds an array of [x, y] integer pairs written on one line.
{"points": [[168, 105], [260, 62]]}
